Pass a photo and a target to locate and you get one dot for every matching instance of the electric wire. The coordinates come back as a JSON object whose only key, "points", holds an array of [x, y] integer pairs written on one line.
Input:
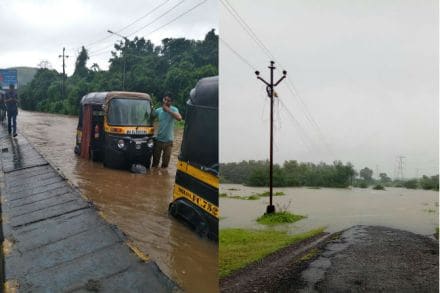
{"points": [[169, 22], [291, 86], [143, 27], [130, 24]]}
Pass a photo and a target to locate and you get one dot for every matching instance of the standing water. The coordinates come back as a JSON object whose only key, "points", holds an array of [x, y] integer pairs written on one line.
{"points": [[136, 203], [335, 208]]}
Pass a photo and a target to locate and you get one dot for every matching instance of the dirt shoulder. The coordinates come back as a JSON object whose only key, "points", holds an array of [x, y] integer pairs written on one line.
{"points": [[258, 276], [359, 259]]}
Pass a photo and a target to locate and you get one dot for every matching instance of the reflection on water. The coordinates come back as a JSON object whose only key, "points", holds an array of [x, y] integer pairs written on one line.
{"points": [[336, 209], [136, 203]]}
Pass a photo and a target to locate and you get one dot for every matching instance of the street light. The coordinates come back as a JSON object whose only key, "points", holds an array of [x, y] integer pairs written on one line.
{"points": [[123, 58]]}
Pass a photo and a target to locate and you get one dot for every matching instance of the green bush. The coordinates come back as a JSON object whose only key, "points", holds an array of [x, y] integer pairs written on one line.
{"points": [[279, 218]]}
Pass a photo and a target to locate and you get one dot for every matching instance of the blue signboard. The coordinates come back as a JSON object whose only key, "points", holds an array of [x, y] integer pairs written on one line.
{"points": [[7, 77]]}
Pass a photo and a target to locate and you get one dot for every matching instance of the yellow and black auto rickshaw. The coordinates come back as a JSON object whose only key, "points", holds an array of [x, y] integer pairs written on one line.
{"points": [[116, 128], [195, 194]]}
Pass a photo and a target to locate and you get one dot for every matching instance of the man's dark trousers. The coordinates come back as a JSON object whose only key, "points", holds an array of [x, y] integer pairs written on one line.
{"points": [[12, 117]]}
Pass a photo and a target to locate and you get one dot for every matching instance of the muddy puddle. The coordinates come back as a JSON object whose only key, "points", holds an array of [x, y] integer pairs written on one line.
{"points": [[136, 203], [337, 209]]}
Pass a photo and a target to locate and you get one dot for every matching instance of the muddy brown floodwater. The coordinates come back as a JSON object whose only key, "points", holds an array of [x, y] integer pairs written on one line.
{"points": [[335, 208], [136, 203]]}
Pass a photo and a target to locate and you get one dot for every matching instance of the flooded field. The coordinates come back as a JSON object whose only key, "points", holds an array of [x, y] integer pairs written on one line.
{"points": [[336, 209], [136, 203]]}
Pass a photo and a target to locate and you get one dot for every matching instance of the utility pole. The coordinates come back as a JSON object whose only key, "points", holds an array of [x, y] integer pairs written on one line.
{"points": [[123, 57], [270, 93], [400, 167], [64, 72]]}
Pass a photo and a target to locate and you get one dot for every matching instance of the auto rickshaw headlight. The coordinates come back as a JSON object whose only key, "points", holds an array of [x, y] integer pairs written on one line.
{"points": [[121, 144], [150, 143]]}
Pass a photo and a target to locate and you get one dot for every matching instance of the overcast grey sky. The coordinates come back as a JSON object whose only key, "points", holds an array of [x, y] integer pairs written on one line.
{"points": [[367, 71], [34, 30]]}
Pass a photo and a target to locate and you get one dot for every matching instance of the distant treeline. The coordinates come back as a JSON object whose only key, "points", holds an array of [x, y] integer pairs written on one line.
{"points": [[293, 173], [173, 67]]}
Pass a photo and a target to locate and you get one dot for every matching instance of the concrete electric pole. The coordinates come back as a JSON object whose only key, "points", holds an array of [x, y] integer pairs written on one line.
{"points": [[270, 93], [64, 56], [124, 61]]}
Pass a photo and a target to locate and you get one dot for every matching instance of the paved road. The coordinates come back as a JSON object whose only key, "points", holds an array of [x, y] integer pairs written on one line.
{"points": [[55, 241]]}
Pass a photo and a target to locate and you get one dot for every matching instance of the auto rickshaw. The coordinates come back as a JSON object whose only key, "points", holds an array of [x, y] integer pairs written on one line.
{"points": [[195, 194], [116, 128]]}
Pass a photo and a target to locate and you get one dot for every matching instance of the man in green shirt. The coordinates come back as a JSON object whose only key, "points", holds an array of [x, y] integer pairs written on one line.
{"points": [[166, 115]]}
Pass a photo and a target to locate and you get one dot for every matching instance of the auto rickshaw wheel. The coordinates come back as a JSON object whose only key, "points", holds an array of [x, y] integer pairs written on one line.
{"points": [[202, 229]]}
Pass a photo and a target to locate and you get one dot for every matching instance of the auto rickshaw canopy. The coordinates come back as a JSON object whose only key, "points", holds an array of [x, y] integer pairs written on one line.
{"points": [[103, 98], [200, 137]]}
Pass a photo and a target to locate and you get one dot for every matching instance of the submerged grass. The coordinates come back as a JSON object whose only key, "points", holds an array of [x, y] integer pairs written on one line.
{"points": [[279, 218], [378, 187], [255, 196], [240, 247]]}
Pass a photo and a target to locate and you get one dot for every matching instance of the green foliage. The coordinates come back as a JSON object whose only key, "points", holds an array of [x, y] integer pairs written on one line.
{"points": [[360, 183], [283, 217], [366, 174], [291, 173], [429, 182], [239, 247], [173, 67], [384, 178], [378, 187], [410, 184]]}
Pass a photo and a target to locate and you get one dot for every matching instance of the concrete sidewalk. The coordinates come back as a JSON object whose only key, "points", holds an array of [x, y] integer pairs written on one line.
{"points": [[55, 241]]}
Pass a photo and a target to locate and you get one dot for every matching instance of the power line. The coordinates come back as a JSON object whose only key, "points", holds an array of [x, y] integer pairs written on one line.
{"points": [[174, 19], [264, 48], [171, 21], [130, 24], [145, 26], [237, 54], [246, 28], [157, 18]]}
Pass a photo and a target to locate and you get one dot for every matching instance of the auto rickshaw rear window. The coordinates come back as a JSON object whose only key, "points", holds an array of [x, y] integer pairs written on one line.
{"points": [[129, 112]]}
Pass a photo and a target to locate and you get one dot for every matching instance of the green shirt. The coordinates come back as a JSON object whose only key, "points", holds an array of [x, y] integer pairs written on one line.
{"points": [[166, 124]]}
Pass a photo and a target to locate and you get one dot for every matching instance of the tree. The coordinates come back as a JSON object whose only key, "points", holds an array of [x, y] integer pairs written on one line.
{"points": [[81, 62], [44, 64], [173, 66], [95, 67], [366, 174], [384, 178]]}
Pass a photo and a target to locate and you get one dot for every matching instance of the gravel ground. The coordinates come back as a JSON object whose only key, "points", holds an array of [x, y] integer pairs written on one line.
{"points": [[359, 259]]}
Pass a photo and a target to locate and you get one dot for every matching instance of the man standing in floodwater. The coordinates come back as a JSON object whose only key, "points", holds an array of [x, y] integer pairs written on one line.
{"points": [[165, 136], [11, 103]]}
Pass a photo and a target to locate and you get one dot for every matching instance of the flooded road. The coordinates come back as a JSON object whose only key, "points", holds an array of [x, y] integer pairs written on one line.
{"points": [[337, 209], [136, 203]]}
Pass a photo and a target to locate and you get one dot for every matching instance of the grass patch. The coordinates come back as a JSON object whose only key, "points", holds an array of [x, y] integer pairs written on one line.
{"points": [[311, 254], [279, 218], [239, 247], [436, 233], [429, 210], [251, 197], [267, 193], [378, 187]]}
